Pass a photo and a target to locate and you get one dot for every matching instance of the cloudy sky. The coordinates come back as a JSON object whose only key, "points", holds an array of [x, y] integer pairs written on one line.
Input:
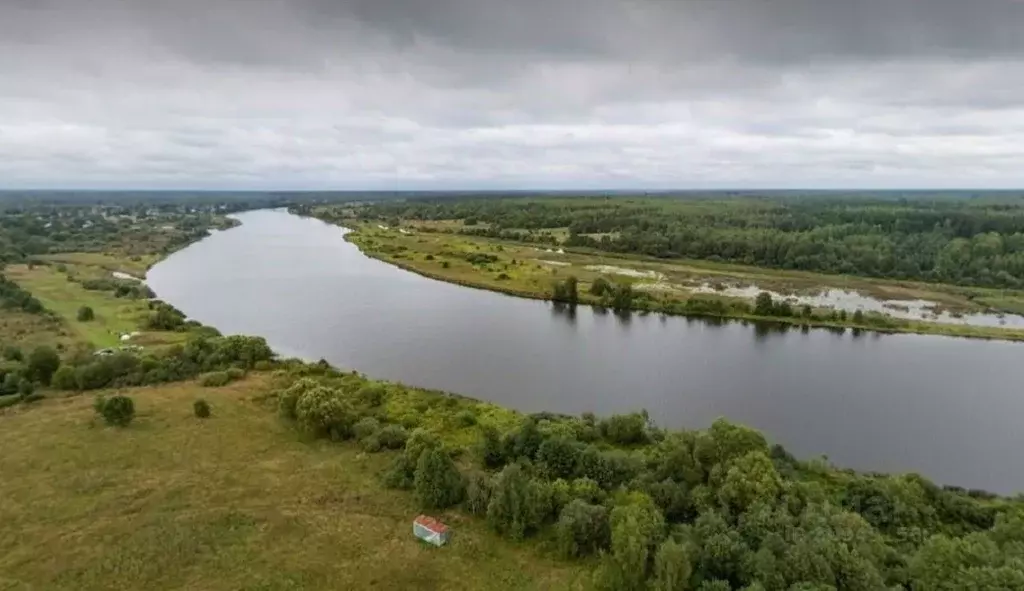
{"points": [[355, 94]]}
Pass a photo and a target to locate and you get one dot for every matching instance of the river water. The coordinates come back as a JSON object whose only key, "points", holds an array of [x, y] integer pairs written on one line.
{"points": [[944, 407]]}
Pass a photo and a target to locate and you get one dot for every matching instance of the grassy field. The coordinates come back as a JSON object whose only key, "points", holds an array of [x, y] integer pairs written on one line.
{"points": [[135, 265], [238, 501], [114, 316], [529, 270]]}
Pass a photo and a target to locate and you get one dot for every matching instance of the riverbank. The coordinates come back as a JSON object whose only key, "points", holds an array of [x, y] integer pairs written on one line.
{"points": [[530, 272]]}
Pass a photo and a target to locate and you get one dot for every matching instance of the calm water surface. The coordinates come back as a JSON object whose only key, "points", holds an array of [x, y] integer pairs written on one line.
{"points": [[947, 408]]}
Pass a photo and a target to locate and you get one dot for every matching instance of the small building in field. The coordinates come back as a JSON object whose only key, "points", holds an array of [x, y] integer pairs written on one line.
{"points": [[430, 530]]}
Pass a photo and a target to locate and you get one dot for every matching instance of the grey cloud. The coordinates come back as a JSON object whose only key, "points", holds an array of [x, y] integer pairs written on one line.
{"points": [[494, 93]]}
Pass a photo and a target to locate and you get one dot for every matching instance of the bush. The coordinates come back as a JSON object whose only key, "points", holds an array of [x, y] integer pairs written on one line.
{"points": [[401, 473], [235, 373], [465, 418], [491, 448], [6, 401], [518, 504], [582, 529], [323, 412], [65, 379], [85, 314], [42, 364], [13, 353], [393, 436], [437, 481], [365, 428], [420, 441], [215, 379], [287, 399], [371, 443], [478, 493], [117, 410], [372, 394], [201, 408]]}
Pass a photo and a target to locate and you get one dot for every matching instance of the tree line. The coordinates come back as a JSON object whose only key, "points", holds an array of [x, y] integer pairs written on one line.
{"points": [[965, 241]]}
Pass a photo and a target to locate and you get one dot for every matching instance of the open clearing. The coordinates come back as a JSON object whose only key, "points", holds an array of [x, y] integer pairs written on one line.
{"points": [[237, 501]]}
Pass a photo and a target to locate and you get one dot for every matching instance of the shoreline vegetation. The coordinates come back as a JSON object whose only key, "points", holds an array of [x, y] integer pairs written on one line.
{"points": [[295, 455], [522, 269]]}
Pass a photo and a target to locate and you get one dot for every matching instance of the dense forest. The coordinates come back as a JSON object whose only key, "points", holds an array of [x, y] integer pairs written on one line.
{"points": [[969, 241]]}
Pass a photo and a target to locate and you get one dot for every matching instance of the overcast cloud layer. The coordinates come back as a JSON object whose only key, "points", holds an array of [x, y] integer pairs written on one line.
{"points": [[511, 94]]}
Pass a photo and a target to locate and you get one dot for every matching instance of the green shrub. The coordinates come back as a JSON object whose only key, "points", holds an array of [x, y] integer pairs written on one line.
{"points": [[263, 365], [42, 364], [491, 448], [10, 400], [478, 493], [287, 399], [420, 441], [323, 412], [13, 353], [465, 418], [371, 443], [117, 410], [365, 428], [393, 437], [201, 408], [65, 379], [85, 314], [235, 373], [401, 473], [215, 379], [582, 529], [372, 394]]}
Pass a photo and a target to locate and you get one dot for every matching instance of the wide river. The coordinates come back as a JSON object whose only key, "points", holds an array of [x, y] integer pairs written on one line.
{"points": [[948, 408]]}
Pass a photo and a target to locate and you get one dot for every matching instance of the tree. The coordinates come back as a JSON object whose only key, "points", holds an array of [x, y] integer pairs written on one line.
{"points": [[492, 451], [518, 504], [858, 317], [437, 481], [748, 480], [42, 364], [558, 456], [85, 314], [636, 530], [763, 304], [323, 412], [582, 529], [65, 378], [672, 567]]}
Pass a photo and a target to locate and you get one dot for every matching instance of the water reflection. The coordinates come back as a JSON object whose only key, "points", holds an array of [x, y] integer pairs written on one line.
{"points": [[947, 408]]}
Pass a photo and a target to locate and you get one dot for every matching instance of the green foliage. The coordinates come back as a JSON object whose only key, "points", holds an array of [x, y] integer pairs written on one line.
{"points": [[582, 529], [558, 456], [401, 473], [566, 291], [116, 411], [13, 353], [12, 296], [518, 504], [625, 429], [600, 286], [215, 379], [64, 378], [392, 437], [478, 493], [672, 567], [491, 448], [324, 412], [636, 529], [85, 314], [286, 400], [465, 418], [437, 481], [42, 363], [748, 480], [201, 409], [365, 428]]}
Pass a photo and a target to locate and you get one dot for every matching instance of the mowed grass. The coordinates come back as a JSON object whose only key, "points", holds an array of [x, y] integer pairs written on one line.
{"points": [[239, 501], [114, 316]]}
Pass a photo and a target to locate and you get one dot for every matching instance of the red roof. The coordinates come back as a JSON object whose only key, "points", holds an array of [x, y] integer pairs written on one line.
{"points": [[431, 524]]}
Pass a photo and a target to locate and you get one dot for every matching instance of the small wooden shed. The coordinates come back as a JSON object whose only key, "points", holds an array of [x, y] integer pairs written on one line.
{"points": [[430, 530]]}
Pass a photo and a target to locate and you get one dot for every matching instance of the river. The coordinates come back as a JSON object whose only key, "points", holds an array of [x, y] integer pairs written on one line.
{"points": [[944, 407]]}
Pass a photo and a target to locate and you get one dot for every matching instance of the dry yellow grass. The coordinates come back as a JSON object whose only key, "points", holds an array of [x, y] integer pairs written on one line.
{"points": [[237, 501]]}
